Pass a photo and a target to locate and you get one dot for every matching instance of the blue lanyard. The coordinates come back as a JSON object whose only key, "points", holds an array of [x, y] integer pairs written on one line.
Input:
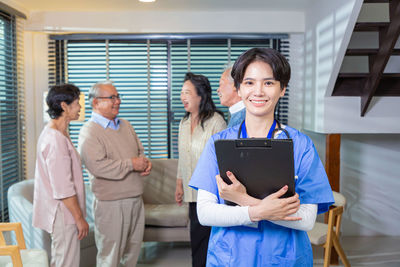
{"points": [[244, 132]]}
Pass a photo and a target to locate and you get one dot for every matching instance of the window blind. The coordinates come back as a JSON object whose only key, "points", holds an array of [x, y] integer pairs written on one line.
{"points": [[139, 71], [149, 73], [206, 57], [12, 162]]}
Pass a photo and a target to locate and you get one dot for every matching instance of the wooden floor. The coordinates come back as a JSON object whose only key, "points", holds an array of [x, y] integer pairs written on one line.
{"points": [[361, 251]]}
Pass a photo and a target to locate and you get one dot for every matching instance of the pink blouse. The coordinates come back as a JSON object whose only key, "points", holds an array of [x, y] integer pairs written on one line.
{"points": [[58, 175]]}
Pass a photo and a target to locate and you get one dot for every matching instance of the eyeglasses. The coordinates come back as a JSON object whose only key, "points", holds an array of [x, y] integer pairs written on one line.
{"points": [[113, 98]]}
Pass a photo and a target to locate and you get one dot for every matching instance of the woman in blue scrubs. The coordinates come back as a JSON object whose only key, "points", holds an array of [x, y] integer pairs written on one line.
{"points": [[270, 231]]}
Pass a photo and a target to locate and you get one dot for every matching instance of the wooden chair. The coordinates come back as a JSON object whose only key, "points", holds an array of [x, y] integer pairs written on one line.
{"points": [[20, 256], [327, 235]]}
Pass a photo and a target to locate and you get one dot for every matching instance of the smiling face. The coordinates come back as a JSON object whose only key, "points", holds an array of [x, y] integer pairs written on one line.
{"points": [[189, 97], [107, 108], [227, 91], [259, 90], [72, 110]]}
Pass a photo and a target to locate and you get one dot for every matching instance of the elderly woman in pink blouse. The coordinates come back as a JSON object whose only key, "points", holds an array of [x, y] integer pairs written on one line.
{"points": [[59, 196]]}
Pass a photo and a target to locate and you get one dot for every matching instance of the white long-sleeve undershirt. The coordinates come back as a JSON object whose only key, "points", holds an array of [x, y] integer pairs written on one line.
{"points": [[211, 213]]}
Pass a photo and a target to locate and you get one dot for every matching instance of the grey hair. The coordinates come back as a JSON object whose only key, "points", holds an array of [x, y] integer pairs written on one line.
{"points": [[229, 66], [94, 90]]}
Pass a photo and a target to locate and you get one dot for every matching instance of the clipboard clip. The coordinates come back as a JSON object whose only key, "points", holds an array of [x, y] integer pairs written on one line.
{"points": [[253, 142]]}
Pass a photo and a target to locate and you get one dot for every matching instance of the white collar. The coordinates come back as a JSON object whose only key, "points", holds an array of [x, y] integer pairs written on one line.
{"points": [[236, 107]]}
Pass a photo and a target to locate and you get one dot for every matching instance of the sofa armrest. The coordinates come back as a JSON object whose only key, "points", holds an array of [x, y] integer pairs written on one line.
{"points": [[21, 210]]}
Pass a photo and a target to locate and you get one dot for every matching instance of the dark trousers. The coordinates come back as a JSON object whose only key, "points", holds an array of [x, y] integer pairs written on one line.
{"points": [[199, 236]]}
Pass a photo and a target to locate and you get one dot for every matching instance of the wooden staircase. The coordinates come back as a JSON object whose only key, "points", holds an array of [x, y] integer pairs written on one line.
{"points": [[376, 82]]}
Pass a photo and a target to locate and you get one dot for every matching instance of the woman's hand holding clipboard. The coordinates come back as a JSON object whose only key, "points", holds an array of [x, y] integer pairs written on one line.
{"points": [[272, 207]]}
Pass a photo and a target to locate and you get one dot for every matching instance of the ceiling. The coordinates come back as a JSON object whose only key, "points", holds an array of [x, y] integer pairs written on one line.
{"points": [[163, 5]]}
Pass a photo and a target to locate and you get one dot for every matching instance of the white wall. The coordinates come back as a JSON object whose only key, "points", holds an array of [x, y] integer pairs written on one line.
{"points": [[168, 21], [370, 180], [329, 28], [327, 34], [296, 84], [342, 115], [36, 82]]}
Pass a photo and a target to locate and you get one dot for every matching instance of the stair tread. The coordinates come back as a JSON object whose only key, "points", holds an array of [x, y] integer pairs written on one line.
{"points": [[370, 26], [375, 1], [363, 75], [367, 51]]}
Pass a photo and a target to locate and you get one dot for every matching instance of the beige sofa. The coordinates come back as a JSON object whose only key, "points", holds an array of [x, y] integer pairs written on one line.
{"points": [[165, 221]]}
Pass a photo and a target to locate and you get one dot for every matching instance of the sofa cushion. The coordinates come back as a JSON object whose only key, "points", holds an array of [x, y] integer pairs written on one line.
{"points": [[29, 257], [166, 215], [166, 234], [159, 186]]}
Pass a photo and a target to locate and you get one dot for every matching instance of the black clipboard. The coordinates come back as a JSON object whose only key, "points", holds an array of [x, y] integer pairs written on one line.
{"points": [[262, 165]]}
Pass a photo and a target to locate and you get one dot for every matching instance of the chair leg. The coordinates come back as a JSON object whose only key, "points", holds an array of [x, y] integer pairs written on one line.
{"points": [[340, 250], [327, 253], [334, 257]]}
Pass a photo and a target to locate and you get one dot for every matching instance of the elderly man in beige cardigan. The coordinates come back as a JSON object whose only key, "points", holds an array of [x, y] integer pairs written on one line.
{"points": [[113, 155]]}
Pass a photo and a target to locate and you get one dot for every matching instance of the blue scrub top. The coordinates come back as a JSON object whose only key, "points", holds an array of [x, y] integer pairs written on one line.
{"points": [[269, 244]]}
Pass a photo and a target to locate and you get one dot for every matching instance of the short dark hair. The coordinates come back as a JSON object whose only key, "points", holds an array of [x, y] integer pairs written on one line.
{"points": [[60, 93], [279, 65], [203, 89]]}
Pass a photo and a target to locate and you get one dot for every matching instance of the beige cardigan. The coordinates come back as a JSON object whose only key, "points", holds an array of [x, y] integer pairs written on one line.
{"points": [[190, 147]]}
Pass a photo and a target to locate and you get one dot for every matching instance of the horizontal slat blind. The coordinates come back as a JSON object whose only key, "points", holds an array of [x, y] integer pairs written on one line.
{"points": [[206, 57], [56, 64], [20, 64], [143, 70], [11, 162], [179, 67], [139, 70], [130, 65], [282, 109], [86, 64]]}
